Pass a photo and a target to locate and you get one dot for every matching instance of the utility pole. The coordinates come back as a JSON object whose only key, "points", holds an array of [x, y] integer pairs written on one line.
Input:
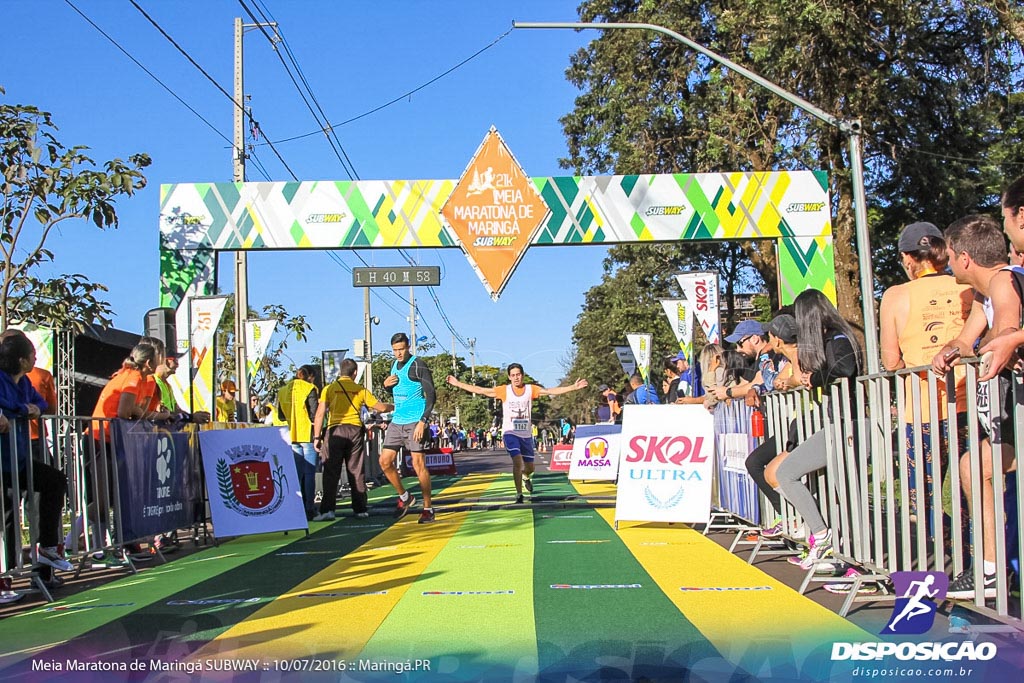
{"points": [[472, 355], [453, 353], [241, 257], [368, 341], [412, 319]]}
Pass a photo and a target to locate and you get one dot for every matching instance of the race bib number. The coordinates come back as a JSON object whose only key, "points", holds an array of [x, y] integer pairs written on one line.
{"points": [[521, 425]]}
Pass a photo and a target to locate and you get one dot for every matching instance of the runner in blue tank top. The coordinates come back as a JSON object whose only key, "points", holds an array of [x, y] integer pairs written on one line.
{"points": [[517, 418], [412, 386]]}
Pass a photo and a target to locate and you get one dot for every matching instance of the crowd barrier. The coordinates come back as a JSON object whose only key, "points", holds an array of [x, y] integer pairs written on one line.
{"points": [[118, 483], [892, 490]]}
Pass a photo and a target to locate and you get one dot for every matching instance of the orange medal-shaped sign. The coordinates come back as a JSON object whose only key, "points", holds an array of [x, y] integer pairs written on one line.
{"points": [[494, 211]]}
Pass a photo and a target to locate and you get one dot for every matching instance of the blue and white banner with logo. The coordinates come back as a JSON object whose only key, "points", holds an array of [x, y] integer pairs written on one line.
{"points": [[157, 487], [595, 453], [665, 464], [251, 481]]}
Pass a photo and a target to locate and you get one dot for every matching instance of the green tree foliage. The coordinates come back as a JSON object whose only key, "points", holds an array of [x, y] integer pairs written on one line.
{"points": [[272, 373], [932, 81], [46, 185]]}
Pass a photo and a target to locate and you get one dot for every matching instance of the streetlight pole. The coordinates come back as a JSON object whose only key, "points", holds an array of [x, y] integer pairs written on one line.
{"points": [[850, 127]]}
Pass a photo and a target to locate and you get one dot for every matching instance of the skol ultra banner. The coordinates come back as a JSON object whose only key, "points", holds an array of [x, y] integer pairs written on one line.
{"points": [[640, 344], [626, 359], [193, 383], [701, 290], [680, 319], [665, 464], [595, 453], [257, 340], [251, 482]]}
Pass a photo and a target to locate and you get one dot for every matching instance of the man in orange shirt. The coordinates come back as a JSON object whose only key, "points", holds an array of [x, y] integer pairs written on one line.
{"points": [[517, 418]]}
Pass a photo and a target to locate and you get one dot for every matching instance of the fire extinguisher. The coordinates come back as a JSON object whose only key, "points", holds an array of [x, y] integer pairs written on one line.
{"points": [[757, 424]]}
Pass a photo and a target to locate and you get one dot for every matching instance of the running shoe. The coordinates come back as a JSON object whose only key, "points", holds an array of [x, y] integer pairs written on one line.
{"points": [[528, 483], [797, 560], [427, 516], [519, 499], [774, 531], [53, 557], [325, 516], [402, 509], [362, 515], [963, 588], [817, 552], [7, 592], [844, 588]]}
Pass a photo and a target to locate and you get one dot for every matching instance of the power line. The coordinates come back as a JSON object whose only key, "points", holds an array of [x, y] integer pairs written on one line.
{"points": [[215, 83], [148, 72]]}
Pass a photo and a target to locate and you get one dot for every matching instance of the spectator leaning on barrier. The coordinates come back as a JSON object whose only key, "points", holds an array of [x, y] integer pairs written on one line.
{"points": [[20, 402], [977, 256], [642, 394], [915, 319], [1005, 344], [828, 352], [297, 403], [751, 340]]}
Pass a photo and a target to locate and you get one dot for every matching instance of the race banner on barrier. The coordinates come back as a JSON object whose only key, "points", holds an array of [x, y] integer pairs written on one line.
{"points": [[561, 458], [157, 478], [257, 341], [680, 319], [251, 481], [595, 453], [665, 464], [640, 344], [440, 461], [701, 290], [626, 359]]}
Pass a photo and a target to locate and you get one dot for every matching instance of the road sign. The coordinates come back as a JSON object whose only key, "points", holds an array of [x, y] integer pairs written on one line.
{"points": [[403, 276]]}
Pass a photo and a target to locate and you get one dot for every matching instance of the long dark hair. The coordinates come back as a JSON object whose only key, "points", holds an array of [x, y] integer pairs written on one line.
{"points": [[816, 319]]}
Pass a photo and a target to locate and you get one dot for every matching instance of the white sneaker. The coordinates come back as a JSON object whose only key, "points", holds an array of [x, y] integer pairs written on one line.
{"points": [[7, 592], [362, 515], [54, 558], [325, 517]]}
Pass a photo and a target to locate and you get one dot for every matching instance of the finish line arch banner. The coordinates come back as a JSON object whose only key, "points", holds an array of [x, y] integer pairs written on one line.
{"points": [[595, 453], [251, 481], [665, 465]]}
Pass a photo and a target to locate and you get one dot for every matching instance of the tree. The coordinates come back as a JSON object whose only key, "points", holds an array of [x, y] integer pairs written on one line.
{"points": [[272, 373], [46, 184], [930, 79]]}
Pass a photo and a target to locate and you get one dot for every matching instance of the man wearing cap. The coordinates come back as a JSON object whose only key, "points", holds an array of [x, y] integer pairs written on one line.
{"points": [[751, 341], [688, 386], [915, 319], [228, 409]]}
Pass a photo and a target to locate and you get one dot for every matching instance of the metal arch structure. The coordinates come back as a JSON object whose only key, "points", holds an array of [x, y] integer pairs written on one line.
{"points": [[198, 220]]}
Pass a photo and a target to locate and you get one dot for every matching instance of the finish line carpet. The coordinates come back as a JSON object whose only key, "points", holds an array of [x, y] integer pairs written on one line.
{"points": [[490, 591]]}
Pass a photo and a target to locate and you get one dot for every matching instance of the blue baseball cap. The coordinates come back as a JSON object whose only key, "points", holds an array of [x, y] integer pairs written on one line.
{"points": [[679, 356], [745, 329]]}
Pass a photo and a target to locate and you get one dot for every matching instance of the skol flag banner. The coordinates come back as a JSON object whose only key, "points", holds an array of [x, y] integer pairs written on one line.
{"points": [[680, 319], [257, 340], [701, 290], [640, 344], [626, 359], [42, 339], [251, 482], [495, 211], [193, 383], [595, 453], [665, 464]]}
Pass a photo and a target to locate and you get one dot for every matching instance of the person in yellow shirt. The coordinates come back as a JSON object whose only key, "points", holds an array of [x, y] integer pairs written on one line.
{"points": [[297, 403], [338, 414]]}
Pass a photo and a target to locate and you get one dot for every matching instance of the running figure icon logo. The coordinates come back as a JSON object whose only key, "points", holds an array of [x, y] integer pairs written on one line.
{"points": [[919, 594]]}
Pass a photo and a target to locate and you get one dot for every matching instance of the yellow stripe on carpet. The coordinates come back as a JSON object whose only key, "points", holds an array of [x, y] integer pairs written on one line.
{"points": [[335, 612], [738, 623]]}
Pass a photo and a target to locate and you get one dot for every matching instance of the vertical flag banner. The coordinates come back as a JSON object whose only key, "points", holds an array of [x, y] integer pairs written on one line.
{"points": [[640, 344], [331, 364], [701, 290], [665, 464], [193, 383], [626, 359], [257, 341], [251, 482], [42, 339], [680, 319]]}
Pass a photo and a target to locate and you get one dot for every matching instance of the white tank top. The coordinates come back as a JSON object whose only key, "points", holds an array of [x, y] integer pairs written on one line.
{"points": [[517, 412], [986, 304]]}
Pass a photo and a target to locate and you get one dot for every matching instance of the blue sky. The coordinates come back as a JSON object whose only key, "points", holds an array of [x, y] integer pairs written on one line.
{"points": [[356, 56]]}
